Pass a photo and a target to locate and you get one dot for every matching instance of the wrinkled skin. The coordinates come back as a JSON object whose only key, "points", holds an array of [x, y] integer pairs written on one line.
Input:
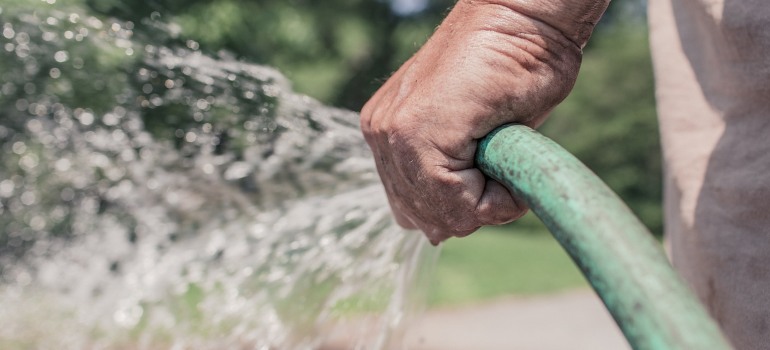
{"points": [[488, 64]]}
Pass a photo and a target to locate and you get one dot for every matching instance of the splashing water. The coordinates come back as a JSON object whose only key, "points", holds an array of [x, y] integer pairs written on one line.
{"points": [[152, 196]]}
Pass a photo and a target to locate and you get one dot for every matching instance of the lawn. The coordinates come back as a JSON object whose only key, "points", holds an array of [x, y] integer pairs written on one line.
{"points": [[516, 259]]}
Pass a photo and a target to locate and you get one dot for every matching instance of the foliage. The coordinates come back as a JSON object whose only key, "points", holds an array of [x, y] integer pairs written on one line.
{"points": [[334, 50]]}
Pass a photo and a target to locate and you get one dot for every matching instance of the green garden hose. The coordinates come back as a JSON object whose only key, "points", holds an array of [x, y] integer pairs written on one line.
{"points": [[614, 250]]}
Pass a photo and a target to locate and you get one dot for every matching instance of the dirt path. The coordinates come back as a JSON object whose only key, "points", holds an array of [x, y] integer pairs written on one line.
{"points": [[574, 320]]}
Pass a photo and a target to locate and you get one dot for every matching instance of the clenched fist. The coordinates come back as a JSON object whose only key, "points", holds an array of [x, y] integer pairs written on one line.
{"points": [[488, 64]]}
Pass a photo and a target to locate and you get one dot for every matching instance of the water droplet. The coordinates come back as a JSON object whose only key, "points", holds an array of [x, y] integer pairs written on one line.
{"points": [[38, 109], [30, 88], [271, 90], [193, 45], [19, 147], [8, 32], [35, 125], [62, 165], [49, 36], [237, 170], [110, 119], [6, 188], [28, 198], [22, 38], [86, 118], [67, 194], [94, 23], [61, 56], [22, 104], [128, 314], [156, 101], [28, 161], [22, 51], [37, 223], [55, 73]]}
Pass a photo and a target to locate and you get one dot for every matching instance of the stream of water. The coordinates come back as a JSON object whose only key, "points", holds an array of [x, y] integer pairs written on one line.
{"points": [[153, 196]]}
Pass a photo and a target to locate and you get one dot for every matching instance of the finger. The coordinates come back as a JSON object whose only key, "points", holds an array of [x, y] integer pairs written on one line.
{"points": [[437, 234], [400, 212], [498, 206]]}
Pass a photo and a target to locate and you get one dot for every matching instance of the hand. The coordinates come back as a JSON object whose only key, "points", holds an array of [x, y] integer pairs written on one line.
{"points": [[485, 66]]}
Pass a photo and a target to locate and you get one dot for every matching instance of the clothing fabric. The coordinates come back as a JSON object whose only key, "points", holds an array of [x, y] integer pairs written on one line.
{"points": [[712, 69]]}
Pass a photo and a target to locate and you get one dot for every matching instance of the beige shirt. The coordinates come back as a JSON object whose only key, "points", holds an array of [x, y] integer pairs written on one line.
{"points": [[712, 67]]}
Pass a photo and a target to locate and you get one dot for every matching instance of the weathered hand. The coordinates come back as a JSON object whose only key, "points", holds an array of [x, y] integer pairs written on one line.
{"points": [[488, 64]]}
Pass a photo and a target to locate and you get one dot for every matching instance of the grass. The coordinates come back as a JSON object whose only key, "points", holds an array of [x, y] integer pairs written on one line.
{"points": [[516, 259]]}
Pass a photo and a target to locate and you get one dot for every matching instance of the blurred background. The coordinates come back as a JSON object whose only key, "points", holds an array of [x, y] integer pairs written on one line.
{"points": [[340, 51]]}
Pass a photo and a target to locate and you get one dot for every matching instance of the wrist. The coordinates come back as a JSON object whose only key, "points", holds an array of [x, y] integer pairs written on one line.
{"points": [[574, 20]]}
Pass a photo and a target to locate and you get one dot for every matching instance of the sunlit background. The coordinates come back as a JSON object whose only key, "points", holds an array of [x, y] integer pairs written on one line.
{"points": [[158, 179]]}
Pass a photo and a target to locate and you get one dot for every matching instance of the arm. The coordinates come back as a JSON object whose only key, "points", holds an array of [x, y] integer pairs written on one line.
{"points": [[489, 63]]}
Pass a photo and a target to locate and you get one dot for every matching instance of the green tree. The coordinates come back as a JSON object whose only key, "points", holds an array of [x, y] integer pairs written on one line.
{"points": [[335, 50]]}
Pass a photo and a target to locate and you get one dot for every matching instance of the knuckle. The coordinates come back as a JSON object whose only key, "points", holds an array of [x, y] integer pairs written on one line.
{"points": [[366, 118], [451, 184]]}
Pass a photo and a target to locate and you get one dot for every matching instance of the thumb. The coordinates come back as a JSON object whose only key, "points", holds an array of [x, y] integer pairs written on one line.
{"points": [[498, 206]]}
